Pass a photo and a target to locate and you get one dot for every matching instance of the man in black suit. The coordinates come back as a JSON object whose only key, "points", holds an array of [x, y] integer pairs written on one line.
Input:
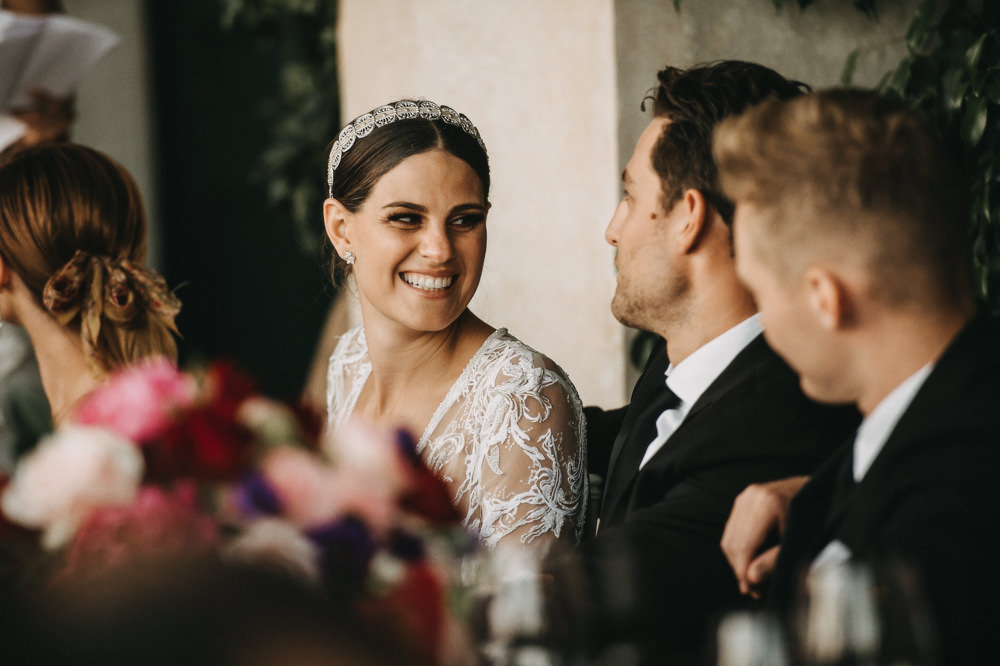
{"points": [[850, 231], [714, 410]]}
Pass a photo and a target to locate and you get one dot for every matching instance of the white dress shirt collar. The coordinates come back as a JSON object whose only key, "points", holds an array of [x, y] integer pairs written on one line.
{"points": [[692, 376], [879, 424]]}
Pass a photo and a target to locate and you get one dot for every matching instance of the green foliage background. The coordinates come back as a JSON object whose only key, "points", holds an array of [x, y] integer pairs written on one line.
{"points": [[952, 74], [304, 111]]}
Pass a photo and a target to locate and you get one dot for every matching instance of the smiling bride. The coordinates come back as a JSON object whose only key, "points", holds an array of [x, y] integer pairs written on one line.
{"points": [[501, 423]]}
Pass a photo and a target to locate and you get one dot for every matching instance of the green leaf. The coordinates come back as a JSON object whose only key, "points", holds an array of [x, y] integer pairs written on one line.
{"points": [[677, 6], [642, 346], [974, 121], [954, 88], [847, 75], [901, 77], [973, 52], [916, 35]]}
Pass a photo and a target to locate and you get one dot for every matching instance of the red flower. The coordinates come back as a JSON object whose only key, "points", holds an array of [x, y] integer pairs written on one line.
{"points": [[205, 444], [227, 388], [416, 607], [427, 495]]}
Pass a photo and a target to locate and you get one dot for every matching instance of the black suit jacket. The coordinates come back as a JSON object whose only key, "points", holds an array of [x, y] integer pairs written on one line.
{"points": [[931, 499], [655, 573]]}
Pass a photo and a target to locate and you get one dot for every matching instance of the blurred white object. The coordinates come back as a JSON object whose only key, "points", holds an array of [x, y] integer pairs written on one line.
{"points": [[751, 639], [50, 53], [11, 129], [840, 615]]}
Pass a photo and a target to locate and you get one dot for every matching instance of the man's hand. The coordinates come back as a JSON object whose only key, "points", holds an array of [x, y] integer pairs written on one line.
{"points": [[757, 512]]}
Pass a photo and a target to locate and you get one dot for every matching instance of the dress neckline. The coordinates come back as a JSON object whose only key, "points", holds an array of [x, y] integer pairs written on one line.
{"points": [[456, 388], [454, 391]]}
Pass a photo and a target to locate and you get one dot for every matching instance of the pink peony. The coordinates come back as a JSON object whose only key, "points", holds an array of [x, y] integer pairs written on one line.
{"points": [[313, 493], [139, 402], [157, 524], [307, 487], [368, 454], [70, 473]]}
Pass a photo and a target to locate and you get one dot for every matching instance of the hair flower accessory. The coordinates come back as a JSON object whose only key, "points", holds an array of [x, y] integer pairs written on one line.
{"points": [[94, 286]]}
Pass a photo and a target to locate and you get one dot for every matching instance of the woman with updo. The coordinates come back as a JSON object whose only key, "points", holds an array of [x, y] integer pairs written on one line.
{"points": [[72, 252], [502, 424]]}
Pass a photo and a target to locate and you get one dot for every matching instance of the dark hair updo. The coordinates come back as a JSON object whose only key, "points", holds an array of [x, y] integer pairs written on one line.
{"points": [[372, 156]]}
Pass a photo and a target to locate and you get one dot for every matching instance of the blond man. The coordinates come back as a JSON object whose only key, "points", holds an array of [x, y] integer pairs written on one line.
{"points": [[850, 232]]}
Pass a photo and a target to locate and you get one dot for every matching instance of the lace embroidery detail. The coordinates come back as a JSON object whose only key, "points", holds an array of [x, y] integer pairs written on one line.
{"points": [[509, 437]]}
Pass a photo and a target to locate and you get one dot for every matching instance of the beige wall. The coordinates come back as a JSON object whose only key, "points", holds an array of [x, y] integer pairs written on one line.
{"points": [[555, 86], [811, 45], [114, 102]]}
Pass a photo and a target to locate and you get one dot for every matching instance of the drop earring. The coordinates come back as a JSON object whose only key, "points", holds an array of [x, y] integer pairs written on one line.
{"points": [[349, 257]]}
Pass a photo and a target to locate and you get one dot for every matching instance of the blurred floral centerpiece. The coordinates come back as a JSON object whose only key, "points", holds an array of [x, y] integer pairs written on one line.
{"points": [[160, 462]]}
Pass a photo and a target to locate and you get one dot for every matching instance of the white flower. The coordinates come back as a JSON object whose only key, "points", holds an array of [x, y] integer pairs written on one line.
{"points": [[276, 542], [74, 470]]}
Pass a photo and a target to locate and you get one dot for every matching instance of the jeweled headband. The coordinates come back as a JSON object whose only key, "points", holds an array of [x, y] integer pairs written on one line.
{"points": [[386, 114]]}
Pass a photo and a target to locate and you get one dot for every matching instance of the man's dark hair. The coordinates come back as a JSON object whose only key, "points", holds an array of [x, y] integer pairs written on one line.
{"points": [[695, 100]]}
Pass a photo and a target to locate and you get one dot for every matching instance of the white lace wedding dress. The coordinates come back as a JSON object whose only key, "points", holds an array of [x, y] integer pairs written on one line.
{"points": [[509, 437]]}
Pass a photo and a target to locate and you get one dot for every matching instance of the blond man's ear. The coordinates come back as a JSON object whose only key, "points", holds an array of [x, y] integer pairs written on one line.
{"points": [[829, 298]]}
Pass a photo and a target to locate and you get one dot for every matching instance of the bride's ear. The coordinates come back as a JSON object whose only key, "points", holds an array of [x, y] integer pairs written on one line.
{"points": [[335, 218]]}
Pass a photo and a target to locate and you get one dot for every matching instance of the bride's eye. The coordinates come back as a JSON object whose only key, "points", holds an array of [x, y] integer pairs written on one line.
{"points": [[468, 221], [404, 219]]}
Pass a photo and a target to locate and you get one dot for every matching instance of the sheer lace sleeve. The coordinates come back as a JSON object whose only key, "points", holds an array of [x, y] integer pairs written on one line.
{"points": [[533, 476], [510, 440]]}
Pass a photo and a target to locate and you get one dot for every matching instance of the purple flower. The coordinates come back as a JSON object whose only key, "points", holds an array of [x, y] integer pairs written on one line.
{"points": [[346, 549], [256, 497]]}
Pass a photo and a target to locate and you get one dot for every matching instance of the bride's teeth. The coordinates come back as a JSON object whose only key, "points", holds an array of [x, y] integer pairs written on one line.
{"points": [[428, 283]]}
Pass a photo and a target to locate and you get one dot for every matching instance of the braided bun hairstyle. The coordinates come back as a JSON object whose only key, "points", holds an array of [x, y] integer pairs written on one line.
{"points": [[73, 228]]}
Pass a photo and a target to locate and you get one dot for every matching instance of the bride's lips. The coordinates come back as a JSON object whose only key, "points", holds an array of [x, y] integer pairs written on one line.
{"points": [[425, 282]]}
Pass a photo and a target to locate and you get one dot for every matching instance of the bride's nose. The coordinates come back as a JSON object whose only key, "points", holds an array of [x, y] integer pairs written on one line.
{"points": [[435, 244]]}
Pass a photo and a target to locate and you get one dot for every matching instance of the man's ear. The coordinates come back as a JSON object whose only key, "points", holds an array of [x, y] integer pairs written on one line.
{"points": [[828, 297], [335, 219], [693, 225]]}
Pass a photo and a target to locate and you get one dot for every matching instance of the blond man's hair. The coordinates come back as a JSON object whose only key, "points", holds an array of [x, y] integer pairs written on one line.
{"points": [[854, 174]]}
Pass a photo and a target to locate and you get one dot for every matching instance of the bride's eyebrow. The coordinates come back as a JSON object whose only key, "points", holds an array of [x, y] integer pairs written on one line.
{"points": [[423, 209], [406, 204], [460, 208]]}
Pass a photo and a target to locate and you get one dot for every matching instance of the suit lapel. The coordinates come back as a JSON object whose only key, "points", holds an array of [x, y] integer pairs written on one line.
{"points": [[639, 427], [732, 376], [646, 397], [848, 509], [736, 377]]}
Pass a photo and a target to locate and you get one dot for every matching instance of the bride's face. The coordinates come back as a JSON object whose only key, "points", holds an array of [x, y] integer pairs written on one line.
{"points": [[419, 242]]}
